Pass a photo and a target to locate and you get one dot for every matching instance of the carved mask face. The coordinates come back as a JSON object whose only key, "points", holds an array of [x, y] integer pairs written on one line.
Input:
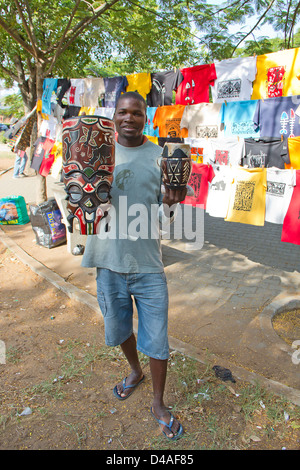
{"points": [[88, 165]]}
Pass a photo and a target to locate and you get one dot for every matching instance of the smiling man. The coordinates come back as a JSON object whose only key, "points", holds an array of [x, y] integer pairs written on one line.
{"points": [[131, 267]]}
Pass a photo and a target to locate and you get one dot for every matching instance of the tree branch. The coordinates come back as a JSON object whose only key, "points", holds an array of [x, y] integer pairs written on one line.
{"points": [[255, 26], [59, 47], [293, 23], [16, 37], [78, 29], [27, 29]]}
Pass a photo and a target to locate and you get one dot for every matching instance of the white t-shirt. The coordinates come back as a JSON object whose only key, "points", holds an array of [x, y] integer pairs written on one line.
{"points": [[280, 186], [202, 120], [234, 79], [75, 93], [219, 191], [93, 90], [227, 151]]}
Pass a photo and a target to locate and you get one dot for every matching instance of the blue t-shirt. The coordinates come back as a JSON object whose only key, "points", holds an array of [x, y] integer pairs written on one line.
{"points": [[49, 86], [237, 117], [148, 129]]}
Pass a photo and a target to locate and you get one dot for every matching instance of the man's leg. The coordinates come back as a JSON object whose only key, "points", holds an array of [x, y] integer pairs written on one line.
{"points": [[158, 369], [130, 351]]}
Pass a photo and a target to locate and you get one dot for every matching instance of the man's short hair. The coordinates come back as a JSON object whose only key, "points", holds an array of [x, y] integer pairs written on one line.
{"points": [[132, 94]]}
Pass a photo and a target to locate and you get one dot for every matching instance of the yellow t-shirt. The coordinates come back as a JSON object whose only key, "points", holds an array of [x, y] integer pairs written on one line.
{"points": [[294, 153], [167, 119], [248, 196], [277, 74], [140, 82]]}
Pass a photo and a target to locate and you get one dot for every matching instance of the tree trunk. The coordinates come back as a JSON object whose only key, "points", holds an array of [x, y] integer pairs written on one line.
{"points": [[41, 188]]}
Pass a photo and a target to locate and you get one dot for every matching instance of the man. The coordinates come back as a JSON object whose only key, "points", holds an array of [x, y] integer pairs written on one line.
{"points": [[131, 266]]}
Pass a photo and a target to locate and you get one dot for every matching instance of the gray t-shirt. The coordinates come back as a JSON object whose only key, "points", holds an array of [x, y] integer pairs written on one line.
{"points": [[132, 243]]}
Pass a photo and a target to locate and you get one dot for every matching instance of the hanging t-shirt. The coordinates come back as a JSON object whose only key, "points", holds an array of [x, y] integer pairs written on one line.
{"points": [[200, 149], [167, 119], [163, 84], [201, 176], [114, 86], [48, 128], [195, 85], [140, 82], [291, 224], [219, 191], [227, 151], [280, 186], [75, 93], [48, 157], [49, 87], [234, 79], [148, 129], [276, 117], [277, 74], [94, 91], [238, 119], [202, 120], [42, 146], [265, 152], [294, 153], [248, 196]]}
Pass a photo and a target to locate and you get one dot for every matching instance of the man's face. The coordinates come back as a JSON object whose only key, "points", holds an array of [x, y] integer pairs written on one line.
{"points": [[130, 119]]}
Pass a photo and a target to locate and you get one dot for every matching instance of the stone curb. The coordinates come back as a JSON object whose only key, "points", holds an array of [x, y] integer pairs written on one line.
{"points": [[74, 292]]}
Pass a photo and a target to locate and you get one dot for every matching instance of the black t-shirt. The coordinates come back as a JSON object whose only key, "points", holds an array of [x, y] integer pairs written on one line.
{"points": [[163, 84], [266, 152]]}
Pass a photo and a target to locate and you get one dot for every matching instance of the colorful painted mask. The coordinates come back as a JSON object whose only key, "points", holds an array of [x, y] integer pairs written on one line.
{"points": [[88, 165], [176, 165]]}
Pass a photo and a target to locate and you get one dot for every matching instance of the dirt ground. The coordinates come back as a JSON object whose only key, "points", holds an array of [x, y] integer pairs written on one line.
{"points": [[57, 365], [54, 365]]}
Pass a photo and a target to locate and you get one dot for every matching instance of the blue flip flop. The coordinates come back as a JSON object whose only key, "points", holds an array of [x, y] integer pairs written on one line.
{"points": [[133, 386], [169, 426]]}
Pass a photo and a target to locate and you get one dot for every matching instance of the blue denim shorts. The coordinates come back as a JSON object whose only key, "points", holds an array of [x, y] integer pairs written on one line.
{"points": [[115, 294]]}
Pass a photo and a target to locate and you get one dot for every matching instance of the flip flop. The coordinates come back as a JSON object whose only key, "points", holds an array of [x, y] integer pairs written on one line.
{"points": [[133, 386], [169, 426]]}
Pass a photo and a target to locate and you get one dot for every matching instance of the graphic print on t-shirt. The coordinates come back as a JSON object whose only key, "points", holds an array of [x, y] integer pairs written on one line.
{"points": [[275, 80], [173, 127], [285, 120], [244, 196], [221, 157], [229, 89], [195, 183]]}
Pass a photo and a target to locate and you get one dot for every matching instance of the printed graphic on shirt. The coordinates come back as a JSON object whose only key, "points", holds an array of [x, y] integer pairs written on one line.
{"points": [[256, 160], [276, 188], [218, 186], [229, 89], [243, 127], [189, 87], [173, 127], [195, 183], [124, 179], [206, 131], [244, 196], [285, 120], [275, 81], [197, 154]]}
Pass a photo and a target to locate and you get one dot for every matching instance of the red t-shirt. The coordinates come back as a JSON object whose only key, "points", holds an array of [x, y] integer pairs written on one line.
{"points": [[291, 224], [195, 85], [201, 175]]}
